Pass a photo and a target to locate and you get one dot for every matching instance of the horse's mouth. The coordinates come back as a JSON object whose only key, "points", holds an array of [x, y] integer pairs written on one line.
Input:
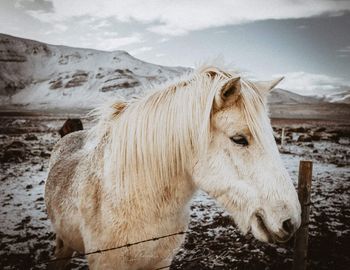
{"points": [[271, 237]]}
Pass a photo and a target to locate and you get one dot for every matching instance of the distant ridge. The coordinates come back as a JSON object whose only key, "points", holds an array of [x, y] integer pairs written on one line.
{"points": [[42, 77], [39, 75]]}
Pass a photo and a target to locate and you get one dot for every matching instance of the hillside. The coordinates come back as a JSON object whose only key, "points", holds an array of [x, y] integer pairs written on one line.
{"points": [[42, 77], [280, 96], [48, 76]]}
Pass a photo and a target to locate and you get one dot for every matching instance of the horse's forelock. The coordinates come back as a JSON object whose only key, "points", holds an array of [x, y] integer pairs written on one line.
{"points": [[256, 113]]}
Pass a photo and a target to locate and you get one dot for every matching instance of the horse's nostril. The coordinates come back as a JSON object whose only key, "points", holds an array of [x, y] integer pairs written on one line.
{"points": [[288, 226]]}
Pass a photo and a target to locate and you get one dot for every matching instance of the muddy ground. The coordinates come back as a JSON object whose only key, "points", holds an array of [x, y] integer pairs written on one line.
{"points": [[213, 242]]}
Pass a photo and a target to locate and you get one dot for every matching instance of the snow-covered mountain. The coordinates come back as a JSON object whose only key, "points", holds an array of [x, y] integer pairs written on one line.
{"points": [[47, 76], [340, 97], [280, 96], [42, 76]]}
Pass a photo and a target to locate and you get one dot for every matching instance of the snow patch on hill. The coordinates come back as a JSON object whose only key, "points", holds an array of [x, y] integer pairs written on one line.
{"points": [[39, 75], [42, 76], [341, 97], [280, 96]]}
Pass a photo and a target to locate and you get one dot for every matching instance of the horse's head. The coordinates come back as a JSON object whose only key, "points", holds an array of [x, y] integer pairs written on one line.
{"points": [[242, 167]]}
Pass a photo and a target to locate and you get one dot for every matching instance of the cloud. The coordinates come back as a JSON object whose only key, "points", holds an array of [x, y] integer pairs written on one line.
{"points": [[221, 32], [302, 26], [101, 24], [60, 27], [164, 39], [140, 50], [313, 84], [345, 50], [179, 17], [44, 5], [113, 43]]}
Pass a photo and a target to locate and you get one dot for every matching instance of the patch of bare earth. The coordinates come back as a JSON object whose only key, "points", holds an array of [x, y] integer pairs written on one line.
{"points": [[213, 241]]}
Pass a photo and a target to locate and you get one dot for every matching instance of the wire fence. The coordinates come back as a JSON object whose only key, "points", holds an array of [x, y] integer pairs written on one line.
{"points": [[191, 260], [99, 251]]}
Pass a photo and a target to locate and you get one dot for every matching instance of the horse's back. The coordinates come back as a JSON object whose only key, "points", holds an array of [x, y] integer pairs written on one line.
{"points": [[68, 145], [60, 188]]}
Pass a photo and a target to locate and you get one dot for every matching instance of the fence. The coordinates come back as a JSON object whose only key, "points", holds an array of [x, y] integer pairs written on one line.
{"points": [[302, 235]]}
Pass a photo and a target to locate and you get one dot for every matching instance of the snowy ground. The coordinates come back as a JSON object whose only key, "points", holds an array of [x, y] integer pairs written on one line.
{"points": [[213, 241]]}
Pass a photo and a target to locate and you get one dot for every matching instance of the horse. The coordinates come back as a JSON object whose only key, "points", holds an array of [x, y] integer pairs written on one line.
{"points": [[70, 125], [131, 177]]}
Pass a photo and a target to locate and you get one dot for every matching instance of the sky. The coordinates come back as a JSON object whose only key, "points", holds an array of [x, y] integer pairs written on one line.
{"points": [[306, 41]]}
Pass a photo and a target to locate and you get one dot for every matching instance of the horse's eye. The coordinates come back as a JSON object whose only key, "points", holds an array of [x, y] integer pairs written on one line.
{"points": [[240, 139]]}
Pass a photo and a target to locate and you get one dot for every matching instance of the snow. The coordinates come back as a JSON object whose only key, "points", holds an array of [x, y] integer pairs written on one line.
{"points": [[212, 241], [63, 77], [42, 76]]}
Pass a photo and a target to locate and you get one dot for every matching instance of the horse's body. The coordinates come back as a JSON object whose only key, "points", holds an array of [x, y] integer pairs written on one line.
{"points": [[131, 177], [86, 218]]}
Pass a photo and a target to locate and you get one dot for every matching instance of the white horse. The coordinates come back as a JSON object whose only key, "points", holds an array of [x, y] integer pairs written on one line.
{"points": [[132, 176]]}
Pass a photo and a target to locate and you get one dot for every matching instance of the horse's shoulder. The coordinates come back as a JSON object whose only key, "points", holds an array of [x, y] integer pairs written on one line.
{"points": [[72, 140]]}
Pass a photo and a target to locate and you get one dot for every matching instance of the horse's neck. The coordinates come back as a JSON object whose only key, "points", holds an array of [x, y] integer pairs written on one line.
{"points": [[163, 194]]}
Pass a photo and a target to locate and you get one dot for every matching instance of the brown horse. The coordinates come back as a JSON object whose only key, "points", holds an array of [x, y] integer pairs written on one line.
{"points": [[70, 126]]}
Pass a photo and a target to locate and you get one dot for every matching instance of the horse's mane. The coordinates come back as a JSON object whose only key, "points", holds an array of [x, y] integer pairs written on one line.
{"points": [[154, 138]]}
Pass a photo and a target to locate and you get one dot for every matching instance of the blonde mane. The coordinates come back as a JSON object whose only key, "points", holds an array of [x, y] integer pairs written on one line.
{"points": [[155, 137]]}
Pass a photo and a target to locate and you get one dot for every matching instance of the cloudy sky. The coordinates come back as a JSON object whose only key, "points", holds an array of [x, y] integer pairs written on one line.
{"points": [[307, 41]]}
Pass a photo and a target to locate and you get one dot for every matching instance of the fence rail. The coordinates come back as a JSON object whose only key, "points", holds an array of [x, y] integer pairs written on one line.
{"points": [[80, 255]]}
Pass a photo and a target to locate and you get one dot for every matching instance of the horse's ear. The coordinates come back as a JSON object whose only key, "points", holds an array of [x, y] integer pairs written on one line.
{"points": [[266, 86], [228, 93]]}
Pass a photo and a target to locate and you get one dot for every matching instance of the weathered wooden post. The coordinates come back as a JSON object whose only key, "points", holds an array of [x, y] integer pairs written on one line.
{"points": [[282, 137], [301, 236]]}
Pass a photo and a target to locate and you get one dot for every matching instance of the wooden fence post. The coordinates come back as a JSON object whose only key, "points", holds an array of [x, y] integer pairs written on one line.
{"points": [[301, 236], [282, 136]]}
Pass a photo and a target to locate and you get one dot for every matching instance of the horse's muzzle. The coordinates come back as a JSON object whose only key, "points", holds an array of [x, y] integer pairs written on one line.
{"points": [[283, 235]]}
